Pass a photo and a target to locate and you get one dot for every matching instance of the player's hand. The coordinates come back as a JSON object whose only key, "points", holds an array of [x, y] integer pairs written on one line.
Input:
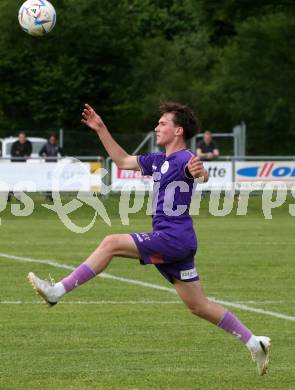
{"points": [[196, 168], [91, 119]]}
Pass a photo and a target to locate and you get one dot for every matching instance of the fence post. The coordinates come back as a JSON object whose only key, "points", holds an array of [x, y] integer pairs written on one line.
{"points": [[237, 140], [244, 139], [61, 138], [193, 144]]}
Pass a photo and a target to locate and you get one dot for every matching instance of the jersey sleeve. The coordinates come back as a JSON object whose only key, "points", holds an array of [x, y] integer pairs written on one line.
{"points": [[145, 163], [184, 172]]}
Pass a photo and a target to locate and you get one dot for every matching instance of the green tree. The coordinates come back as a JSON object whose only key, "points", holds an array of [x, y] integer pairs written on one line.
{"points": [[230, 60], [255, 81], [87, 57]]}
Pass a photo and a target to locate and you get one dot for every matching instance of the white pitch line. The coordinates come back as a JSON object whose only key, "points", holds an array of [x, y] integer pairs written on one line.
{"points": [[254, 310], [149, 285], [104, 275], [272, 302], [103, 302]]}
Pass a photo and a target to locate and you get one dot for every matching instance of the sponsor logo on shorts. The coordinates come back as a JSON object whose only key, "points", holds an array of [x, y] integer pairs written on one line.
{"points": [[188, 274], [142, 236], [138, 237], [145, 236]]}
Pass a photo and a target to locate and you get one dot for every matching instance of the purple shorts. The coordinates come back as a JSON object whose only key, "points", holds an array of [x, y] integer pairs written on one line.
{"points": [[171, 259]]}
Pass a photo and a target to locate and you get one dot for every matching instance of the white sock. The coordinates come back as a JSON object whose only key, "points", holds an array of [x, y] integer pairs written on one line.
{"points": [[253, 344], [59, 289]]}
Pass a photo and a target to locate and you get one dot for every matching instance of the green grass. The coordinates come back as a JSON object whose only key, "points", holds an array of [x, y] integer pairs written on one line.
{"points": [[148, 346]]}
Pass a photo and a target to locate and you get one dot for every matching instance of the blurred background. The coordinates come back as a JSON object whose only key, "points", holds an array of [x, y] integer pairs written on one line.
{"points": [[231, 61]]}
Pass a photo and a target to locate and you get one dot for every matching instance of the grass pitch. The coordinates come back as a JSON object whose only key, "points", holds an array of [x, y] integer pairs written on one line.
{"points": [[114, 335]]}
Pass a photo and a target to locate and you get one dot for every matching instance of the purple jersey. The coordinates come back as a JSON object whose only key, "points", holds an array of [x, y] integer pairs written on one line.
{"points": [[172, 194]]}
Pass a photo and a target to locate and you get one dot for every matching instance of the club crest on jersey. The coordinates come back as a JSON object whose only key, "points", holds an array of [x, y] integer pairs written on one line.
{"points": [[165, 167]]}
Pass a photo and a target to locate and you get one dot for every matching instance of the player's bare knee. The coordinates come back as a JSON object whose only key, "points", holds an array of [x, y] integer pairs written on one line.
{"points": [[108, 244], [199, 309]]}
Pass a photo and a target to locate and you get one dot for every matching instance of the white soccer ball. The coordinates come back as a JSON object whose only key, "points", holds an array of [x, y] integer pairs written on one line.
{"points": [[37, 17]]}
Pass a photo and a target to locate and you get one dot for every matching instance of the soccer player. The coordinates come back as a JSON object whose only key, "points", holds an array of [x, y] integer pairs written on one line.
{"points": [[172, 244]]}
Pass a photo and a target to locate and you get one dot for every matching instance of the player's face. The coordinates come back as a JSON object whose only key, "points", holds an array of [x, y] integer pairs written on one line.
{"points": [[166, 131]]}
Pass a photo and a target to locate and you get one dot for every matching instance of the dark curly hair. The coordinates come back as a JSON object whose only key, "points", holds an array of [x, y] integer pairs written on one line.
{"points": [[183, 117]]}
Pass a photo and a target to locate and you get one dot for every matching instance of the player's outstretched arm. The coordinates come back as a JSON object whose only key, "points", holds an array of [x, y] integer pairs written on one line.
{"points": [[123, 160], [197, 170]]}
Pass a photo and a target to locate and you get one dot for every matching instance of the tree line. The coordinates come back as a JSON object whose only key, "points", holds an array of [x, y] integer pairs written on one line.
{"points": [[230, 60]]}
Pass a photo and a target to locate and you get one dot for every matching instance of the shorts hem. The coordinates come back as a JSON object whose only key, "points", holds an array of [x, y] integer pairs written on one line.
{"points": [[141, 257], [195, 279]]}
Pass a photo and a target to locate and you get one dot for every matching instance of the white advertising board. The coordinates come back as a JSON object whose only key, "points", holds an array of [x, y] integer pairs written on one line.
{"points": [[220, 176], [261, 172], [123, 179], [41, 176]]}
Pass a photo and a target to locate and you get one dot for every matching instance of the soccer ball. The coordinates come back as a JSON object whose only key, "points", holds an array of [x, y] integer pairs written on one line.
{"points": [[37, 17]]}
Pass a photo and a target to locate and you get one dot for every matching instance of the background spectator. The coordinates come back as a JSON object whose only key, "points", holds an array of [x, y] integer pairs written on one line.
{"points": [[51, 149], [21, 148], [207, 149]]}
